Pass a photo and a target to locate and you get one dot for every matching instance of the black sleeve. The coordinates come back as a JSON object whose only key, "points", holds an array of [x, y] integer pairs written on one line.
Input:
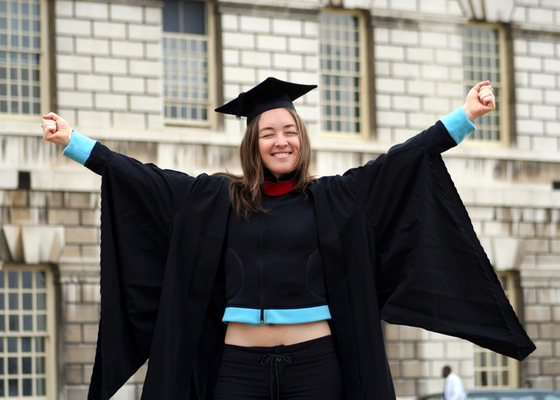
{"points": [[431, 270], [138, 202]]}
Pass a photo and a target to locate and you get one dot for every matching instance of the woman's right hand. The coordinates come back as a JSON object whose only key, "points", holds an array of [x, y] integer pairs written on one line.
{"points": [[56, 129]]}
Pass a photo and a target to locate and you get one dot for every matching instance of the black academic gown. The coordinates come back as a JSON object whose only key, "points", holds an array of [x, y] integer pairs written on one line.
{"points": [[396, 243]]}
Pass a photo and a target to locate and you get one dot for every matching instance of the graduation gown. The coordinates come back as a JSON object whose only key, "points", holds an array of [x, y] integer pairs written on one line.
{"points": [[396, 243]]}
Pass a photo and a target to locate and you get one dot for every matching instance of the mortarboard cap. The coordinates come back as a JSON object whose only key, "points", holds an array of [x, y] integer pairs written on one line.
{"points": [[267, 95]]}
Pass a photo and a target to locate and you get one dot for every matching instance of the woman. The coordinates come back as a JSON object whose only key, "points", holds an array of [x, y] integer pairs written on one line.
{"points": [[300, 269]]}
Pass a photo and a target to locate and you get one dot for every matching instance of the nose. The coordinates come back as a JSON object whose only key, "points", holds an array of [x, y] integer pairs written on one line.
{"points": [[281, 142]]}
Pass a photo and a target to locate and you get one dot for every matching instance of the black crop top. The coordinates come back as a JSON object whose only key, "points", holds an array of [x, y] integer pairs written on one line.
{"points": [[273, 266]]}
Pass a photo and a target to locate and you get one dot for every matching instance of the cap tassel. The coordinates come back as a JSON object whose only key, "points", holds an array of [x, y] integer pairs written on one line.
{"points": [[239, 108]]}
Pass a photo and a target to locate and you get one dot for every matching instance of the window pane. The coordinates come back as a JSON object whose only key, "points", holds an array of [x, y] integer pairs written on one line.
{"points": [[40, 344], [14, 323], [171, 16], [13, 387], [41, 323], [40, 365], [28, 323], [12, 365], [12, 345], [27, 301], [26, 365], [194, 18], [13, 279], [13, 300], [40, 280], [41, 387], [27, 387], [484, 378], [26, 279], [41, 301], [25, 344], [184, 17]]}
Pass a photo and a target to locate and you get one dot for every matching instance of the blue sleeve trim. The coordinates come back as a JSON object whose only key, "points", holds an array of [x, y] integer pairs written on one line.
{"points": [[79, 148], [458, 125], [251, 316]]}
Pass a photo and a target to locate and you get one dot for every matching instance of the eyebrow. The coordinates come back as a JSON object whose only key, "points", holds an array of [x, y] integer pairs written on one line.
{"points": [[284, 127]]}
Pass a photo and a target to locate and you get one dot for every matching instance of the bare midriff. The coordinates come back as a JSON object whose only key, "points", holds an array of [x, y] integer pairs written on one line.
{"points": [[269, 335]]}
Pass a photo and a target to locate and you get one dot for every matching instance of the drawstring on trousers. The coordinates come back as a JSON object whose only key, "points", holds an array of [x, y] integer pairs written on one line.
{"points": [[274, 359]]}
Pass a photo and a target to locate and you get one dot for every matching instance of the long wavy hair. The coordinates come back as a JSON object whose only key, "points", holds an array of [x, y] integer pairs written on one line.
{"points": [[246, 191]]}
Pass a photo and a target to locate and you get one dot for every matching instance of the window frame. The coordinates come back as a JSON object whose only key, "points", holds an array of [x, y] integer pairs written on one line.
{"points": [[45, 60], [211, 40], [505, 107], [513, 367], [51, 336], [364, 76]]}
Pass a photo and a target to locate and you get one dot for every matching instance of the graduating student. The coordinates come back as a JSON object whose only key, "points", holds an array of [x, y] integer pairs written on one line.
{"points": [[273, 284]]}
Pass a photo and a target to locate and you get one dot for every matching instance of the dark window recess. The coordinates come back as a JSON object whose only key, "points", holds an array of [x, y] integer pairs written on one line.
{"points": [[184, 17], [24, 180]]}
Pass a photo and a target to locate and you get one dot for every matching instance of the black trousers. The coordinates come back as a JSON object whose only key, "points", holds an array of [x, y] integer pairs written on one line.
{"points": [[303, 371]]}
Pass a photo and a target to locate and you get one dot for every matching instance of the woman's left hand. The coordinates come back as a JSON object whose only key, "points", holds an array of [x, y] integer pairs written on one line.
{"points": [[479, 101]]}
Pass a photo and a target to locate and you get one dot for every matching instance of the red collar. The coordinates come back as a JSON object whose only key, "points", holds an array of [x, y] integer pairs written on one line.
{"points": [[278, 188]]}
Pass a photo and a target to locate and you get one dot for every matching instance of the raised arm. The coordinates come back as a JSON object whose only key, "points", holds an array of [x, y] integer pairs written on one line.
{"points": [[396, 172]]}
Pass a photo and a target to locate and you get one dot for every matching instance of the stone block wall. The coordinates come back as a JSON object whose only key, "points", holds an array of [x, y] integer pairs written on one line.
{"points": [[109, 64], [257, 44], [537, 62], [419, 76]]}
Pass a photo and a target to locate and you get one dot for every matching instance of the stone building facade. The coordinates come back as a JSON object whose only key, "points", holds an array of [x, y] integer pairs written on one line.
{"points": [[108, 68]]}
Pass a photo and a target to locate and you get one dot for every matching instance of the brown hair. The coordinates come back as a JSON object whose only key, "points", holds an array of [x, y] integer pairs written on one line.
{"points": [[245, 191]]}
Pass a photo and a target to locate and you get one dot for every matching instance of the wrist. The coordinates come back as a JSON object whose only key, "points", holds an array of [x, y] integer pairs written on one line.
{"points": [[468, 113], [69, 136]]}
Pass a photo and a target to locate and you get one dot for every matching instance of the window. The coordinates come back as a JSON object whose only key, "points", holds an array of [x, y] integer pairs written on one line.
{"points": [[187, 62], [484, 59], [344, 83], [493, 370], [22, 93], [26, 333]]}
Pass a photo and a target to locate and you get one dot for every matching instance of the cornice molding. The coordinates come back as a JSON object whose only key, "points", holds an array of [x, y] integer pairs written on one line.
{"points": [[32, 244], [150, 3], [286, 9]]}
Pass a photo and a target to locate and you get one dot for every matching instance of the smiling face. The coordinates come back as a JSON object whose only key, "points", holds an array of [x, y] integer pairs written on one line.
{"points": [[279, 141]]}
